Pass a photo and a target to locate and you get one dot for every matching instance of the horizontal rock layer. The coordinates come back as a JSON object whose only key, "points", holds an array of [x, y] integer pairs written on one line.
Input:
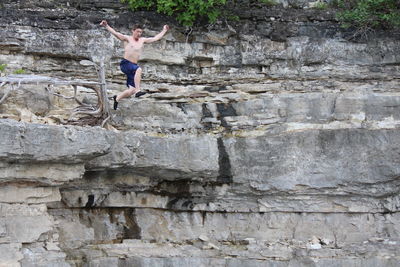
{"points": [[272, 141]]}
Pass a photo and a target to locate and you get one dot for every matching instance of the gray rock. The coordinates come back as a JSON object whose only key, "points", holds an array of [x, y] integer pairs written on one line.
{"points": [[10, 254], [34, 142], [273, 139], [167, 157]]}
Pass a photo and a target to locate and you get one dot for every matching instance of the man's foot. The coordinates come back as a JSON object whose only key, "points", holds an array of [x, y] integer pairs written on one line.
{"points": [[140, 93], [115, 102]]}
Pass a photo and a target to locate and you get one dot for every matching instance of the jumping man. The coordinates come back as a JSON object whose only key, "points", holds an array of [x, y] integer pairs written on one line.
{"points": [[133, 47]]}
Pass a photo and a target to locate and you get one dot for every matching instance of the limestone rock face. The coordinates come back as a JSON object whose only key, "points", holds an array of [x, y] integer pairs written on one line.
{"points": [[271, 141]]}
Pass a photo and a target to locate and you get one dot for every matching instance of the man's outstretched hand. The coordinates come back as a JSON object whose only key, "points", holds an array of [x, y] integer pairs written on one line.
{"points": [[104, 23], [166, 27]]}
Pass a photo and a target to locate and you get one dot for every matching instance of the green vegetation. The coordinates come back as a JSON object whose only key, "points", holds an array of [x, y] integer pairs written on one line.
{"points": [[321, 5], [269, 2], [369, 14], [19, 71], [185, 11], [361, 14], [3, 67]]}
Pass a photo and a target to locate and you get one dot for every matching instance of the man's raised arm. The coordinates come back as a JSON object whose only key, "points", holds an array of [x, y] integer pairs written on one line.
{"points": [[158, 36], [120, 36]]}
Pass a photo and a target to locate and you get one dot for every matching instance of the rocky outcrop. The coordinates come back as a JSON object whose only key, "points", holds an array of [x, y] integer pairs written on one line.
{"points": [[272, 141]]}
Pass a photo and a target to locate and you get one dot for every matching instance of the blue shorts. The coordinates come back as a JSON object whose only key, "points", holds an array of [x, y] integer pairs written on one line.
{"points": [[129, 68]]}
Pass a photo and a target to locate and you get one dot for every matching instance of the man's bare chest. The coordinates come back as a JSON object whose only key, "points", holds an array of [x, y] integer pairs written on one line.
{"points": [[134, 46]]}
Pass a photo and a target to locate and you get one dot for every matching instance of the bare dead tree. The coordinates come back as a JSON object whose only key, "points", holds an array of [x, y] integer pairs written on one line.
{"points": [[100, 51], [99, 56], [101, 110]]}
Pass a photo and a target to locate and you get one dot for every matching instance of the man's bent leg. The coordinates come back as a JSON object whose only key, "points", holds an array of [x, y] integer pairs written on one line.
{"points": [[132, 89], [138, 79], [126, 93]]}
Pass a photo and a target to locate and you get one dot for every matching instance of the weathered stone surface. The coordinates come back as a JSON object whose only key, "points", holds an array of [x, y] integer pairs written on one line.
{"points": [[142, 253], [169, 157], [271, 141], [270, 227], [318, 160], [25, 223], [34, 195], [10, 254], [35, 142], [43, 173], [43, 256], [180, 261]]}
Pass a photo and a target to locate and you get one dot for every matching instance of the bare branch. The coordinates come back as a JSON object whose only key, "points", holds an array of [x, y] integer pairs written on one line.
{"points": [[105, 121], [86, 107], [93, 113], [26, 79], [101, 110], [6, 93], [75, 91]]}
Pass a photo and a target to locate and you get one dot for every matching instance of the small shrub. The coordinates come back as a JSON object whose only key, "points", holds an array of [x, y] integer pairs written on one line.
{"points": [[369, 14], [3, 67], [269, 2], [233, 17], [19, 71], [321, 5], [186, 12]]}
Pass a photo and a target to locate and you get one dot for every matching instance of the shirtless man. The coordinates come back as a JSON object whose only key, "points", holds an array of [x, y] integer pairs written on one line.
{"points": [[133, 46]]}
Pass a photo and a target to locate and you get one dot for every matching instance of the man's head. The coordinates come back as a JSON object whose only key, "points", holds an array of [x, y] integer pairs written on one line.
{"points": [[137, 31]]}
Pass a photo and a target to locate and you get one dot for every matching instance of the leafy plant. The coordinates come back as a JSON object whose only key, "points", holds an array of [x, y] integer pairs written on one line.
{"points": [[19, 71], [321, 5], [232, 17], [269, 2], [2, 67], [185, 11], [369, 14]]}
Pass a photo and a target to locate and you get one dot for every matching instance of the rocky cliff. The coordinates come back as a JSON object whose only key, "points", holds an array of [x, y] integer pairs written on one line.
{"points": [[269, 141]]}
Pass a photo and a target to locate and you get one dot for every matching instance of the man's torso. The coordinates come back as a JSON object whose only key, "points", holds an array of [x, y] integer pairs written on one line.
{"points": [[133, 49]]}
